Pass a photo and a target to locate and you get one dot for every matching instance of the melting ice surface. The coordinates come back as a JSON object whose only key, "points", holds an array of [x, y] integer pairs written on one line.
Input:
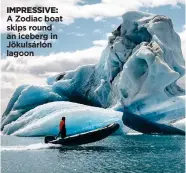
{"points": [[138, 70]]}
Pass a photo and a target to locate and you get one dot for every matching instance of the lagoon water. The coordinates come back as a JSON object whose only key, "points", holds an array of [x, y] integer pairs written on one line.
{"points": [[115, 154]]}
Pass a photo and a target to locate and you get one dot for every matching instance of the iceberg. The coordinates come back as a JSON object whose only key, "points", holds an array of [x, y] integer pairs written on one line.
{"points": [[180, 124], [44, 120], [137, 71]]}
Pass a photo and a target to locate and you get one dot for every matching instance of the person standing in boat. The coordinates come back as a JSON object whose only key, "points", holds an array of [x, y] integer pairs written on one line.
{"points": [[62, 128]]}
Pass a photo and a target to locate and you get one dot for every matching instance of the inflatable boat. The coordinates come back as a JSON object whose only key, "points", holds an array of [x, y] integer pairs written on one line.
{"points": [[84, 138]]}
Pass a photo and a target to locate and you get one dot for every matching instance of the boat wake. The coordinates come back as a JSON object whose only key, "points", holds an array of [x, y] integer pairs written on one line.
{"points": [[37, 146]]}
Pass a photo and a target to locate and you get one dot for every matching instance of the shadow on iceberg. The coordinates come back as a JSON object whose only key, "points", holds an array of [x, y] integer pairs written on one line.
{"points": [[145, 126]]}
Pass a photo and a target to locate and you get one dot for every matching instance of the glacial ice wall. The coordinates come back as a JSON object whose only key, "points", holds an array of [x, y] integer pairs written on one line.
{"points": [[138, 69]]}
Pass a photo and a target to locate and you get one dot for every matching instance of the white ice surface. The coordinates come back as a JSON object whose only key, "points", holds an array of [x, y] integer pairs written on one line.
{"points": [[180, 124]]}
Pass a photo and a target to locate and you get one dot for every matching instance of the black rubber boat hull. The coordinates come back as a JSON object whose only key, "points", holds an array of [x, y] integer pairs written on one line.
{"points": [[145, 126], [85, 138]]}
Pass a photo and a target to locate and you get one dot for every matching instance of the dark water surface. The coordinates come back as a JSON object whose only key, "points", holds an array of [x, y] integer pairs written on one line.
{"points": [[116, 154]]}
